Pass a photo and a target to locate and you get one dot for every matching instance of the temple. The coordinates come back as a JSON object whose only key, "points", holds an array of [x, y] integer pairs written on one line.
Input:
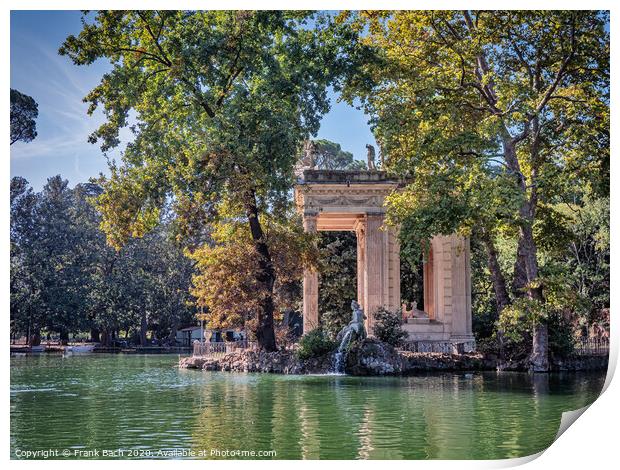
{"points": [[337, 200]]}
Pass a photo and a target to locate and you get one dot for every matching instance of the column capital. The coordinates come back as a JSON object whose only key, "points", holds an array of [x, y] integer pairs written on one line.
{"points": [[360, 226]]}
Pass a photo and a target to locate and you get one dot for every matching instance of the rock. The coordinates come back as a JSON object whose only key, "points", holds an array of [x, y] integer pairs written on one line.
{"points": [[278, 362], [575, 363], [373, 357], [192, 362]]}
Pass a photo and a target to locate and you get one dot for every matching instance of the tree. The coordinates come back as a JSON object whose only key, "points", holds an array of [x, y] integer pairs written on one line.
{"points": [[330, 156], [337, 277], [226, 284], [456, 96], [65, 279], [222, 102], [24, 111], [25, 316]]}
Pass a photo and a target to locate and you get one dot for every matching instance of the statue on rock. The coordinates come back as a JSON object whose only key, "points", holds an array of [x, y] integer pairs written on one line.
{"points": [[371, 157], [355, 329]]}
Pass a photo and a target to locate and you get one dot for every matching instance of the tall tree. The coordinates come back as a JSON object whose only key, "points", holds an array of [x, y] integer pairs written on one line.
{"points": [[330, 156], [457, 94], [222, 101], [24, 111], [25, 289], [226, 284]]}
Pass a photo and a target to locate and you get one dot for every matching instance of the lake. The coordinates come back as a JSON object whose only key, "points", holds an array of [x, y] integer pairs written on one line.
{"points": [[143, 406]]}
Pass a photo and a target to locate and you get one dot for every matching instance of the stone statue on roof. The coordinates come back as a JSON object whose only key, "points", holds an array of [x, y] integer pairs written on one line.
{"points": [[371, 157]]}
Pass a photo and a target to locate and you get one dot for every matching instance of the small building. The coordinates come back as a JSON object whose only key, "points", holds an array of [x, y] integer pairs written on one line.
{"points": [[186, 336]]}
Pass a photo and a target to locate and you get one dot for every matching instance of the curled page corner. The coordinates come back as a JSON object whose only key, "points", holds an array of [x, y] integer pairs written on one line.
{"points": [[568, 418]]}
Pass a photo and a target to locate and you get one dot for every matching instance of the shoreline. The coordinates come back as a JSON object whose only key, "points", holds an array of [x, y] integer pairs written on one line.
{"points": [[375, 359]]}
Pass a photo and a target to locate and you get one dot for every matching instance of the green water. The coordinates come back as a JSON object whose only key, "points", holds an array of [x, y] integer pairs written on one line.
{"points": [[147, 408]]}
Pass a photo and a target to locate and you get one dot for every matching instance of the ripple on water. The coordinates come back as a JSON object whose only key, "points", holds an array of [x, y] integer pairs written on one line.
{"points": [[145, 402]]}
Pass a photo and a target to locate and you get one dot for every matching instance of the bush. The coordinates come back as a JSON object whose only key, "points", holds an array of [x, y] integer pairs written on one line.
{"points": [[388, 327], [561, 336], [314, 344]]}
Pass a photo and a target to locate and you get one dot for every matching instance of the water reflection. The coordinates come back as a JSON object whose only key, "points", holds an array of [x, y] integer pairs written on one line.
{"points": [[450, 416], [145, 402]]}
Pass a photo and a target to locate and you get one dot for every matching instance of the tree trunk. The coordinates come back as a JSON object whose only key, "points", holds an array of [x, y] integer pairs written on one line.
{"points": [[94, 335], [34, 338], [502, 299], [539, 359], [266, 276], [173, 332], [143, 329], [64, 337], [519, 278]]}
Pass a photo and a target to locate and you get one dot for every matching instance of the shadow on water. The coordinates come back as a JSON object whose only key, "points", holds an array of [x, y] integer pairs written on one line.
{"points": [[145, 402]]}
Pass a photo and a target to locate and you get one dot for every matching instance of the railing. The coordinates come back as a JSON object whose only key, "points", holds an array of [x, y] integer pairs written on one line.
{"points": [[221, 347], [592, 347]]}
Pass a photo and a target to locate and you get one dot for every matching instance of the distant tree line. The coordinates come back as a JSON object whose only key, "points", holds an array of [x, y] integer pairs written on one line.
{"points": [[65, 280]]}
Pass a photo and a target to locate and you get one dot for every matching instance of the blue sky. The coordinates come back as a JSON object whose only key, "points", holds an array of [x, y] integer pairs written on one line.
{"points": [[63, 126]]}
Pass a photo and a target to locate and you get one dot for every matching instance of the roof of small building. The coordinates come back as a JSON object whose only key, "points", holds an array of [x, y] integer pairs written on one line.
{"points": [[189, 328]]}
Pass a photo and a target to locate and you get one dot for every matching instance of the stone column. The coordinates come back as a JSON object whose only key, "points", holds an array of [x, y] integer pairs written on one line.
{"points": [[461, 288], [429, 283], [311, 283], [374, 270], [393, 270], [360, 232]]}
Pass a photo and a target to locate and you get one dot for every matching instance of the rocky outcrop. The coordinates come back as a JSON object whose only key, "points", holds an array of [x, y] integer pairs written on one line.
{"points": [[575, 363], [279, 362], [417, 362], [372, 357]]}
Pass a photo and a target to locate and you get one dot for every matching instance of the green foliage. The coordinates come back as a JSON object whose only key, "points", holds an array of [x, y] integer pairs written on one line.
{"points": [[222, 102], [387, 327], [313, 344], [561, 335], [502, 117], [225, 282], [330, 156], [337, 279], [65, 279], [24, 112]]}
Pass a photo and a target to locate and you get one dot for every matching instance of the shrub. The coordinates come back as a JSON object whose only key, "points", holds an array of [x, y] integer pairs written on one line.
{"points": [[314, 344], [561, 336], [388, 327]]}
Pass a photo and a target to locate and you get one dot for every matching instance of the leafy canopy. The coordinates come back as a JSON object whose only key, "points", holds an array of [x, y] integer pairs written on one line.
{"points": [[24, 111], [225, 283], [449, 91], [218, 103]]}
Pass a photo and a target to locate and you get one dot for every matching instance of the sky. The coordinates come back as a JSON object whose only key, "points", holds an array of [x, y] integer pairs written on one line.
{"points": [[63, 126]]}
